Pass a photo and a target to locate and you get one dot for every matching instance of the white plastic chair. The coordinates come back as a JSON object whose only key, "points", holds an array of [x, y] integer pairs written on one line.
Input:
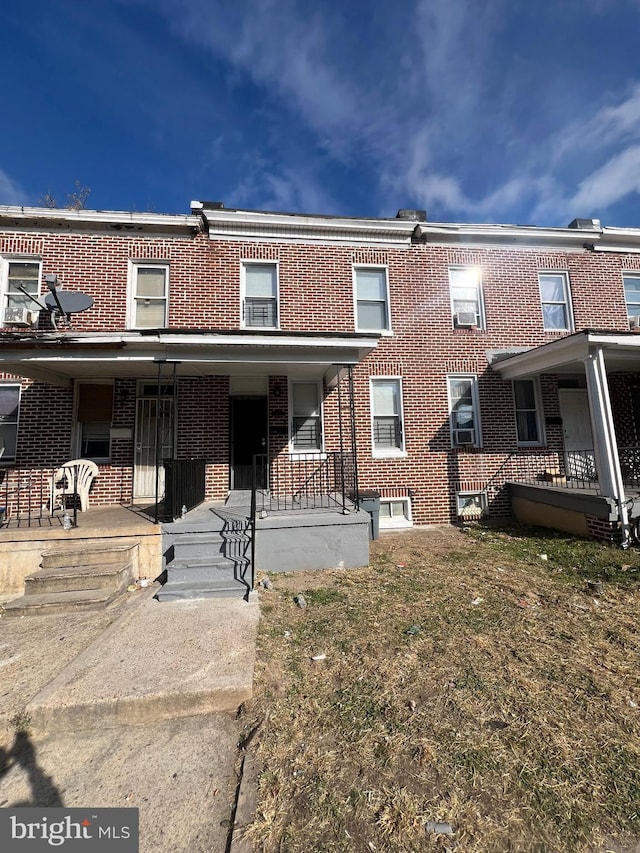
{"points": [[73, 477]]}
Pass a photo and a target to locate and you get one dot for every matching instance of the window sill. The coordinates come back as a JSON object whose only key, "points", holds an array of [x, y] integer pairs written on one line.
{"points": [[396, 525], [301, 455], [390, 454], [385, 333]]}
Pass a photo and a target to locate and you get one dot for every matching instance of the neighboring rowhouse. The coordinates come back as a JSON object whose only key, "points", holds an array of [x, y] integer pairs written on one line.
{"points": [[456, 369]]}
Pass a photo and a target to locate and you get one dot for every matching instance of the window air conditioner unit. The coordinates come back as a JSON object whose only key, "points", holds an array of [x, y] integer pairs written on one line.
{"points": [[634, 322], [464, 436], [466, 318], [20, 317]]}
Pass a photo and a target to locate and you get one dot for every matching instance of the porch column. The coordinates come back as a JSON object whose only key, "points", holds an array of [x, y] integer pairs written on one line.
{"points": [[605, 444]]}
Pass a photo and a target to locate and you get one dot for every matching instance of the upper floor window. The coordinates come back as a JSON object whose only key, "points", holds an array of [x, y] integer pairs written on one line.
{"points": [[94, 413], [554, 297], [387, 416], [306, 417], [17, 279], [372, 299], [632, 295], [465, 284], [260, 296], [149, 296], [527, 407], [9, 412], [464, 411]]}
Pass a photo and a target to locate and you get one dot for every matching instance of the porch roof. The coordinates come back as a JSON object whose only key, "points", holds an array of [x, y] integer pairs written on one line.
{"points": [[60, 357], [568, 354]]}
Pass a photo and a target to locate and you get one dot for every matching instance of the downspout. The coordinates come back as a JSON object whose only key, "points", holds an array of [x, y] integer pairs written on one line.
{"points": [[605, 444]]}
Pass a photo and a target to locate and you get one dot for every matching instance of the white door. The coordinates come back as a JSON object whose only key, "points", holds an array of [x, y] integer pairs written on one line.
{"points": [[578, 439], [148, 427]]}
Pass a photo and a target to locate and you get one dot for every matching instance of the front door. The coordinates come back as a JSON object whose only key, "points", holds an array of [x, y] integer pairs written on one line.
{"points": [[249, 425], [154, 422], [578, 440]]}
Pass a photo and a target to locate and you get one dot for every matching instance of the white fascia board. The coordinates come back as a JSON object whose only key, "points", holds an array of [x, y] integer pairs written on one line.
{"points": [[546, 358], [518, 236], [213, 340], [241, 224], [30, 215], [619, 240]]}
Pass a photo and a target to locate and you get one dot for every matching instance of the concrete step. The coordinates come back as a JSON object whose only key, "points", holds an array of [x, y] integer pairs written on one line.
{"points": [[199, 572], [87, 556], [190, 545], [226, 588], [210, 523], [73, 578], [61, 602]]}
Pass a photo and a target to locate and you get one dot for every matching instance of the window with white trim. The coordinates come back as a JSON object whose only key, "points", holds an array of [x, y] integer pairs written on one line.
{"points": [[395, 512], [372, 299], [465, 285], [386, 416], [464, 410], [471, 504], [632, 295], [555, 301], [94, 414], [260, 296], [526, 401], [20, 276], [9, 417], [306, 417], [149, 296]]}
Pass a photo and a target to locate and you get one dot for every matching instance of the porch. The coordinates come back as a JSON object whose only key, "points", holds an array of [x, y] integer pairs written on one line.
{"points": [[22, 546], [590, 484]]}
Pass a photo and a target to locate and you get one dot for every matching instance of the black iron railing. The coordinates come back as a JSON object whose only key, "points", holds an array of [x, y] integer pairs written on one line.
{"points": [[303, 481], [184, 485], [573, 469], [38, 497]]}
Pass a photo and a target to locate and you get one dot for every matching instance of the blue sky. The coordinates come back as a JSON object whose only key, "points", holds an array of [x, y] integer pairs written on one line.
{"points": [[475, 110]]}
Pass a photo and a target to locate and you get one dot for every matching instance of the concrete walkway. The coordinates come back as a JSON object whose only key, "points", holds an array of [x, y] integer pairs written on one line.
{"points": [[131, 707]]}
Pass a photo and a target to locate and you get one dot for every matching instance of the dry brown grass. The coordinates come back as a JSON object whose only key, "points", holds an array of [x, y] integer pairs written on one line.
{"points": [[514, 718]]}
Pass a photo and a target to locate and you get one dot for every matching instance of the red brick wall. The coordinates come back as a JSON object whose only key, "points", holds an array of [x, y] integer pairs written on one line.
{"points": [[316, 294]]}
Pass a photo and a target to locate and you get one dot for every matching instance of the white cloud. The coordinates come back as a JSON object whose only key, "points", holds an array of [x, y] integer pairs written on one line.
{"points": [[616, 179], [11, 192]]}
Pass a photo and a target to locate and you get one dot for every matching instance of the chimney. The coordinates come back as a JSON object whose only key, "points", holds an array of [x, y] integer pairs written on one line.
{"points": [[412, 215], [584, 224]]}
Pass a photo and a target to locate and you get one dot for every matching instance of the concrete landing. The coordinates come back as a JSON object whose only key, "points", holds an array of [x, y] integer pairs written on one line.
{"points": [[155, 662]]}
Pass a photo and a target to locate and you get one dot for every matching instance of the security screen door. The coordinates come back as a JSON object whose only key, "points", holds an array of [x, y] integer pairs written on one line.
{"points": [[151, 421]]}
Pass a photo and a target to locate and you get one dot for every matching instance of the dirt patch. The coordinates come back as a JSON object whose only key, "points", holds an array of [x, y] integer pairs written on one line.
{"points": [[466, 682]]}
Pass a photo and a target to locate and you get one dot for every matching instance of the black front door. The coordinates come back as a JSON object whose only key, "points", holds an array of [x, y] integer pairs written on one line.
{"points": [[249, 425]]}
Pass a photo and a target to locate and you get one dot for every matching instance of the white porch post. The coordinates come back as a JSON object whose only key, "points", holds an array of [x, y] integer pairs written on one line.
{"points": [[605, 444]]}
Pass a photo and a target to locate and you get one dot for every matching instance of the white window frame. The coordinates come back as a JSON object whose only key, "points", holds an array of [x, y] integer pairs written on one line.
{"points": [[244, 265], [381, 453], [477, 271], [387, 300], [537, 397], [475, 402], [4, 459], [132, 299], [636, 311], [5, 262], [301, 451], [564, 275], [77, 425], [475, 513], [406, 520]]}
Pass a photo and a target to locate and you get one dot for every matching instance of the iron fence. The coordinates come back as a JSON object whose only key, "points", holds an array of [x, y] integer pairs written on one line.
{"points": [[184, 485], [303, 481], [38, 497]]}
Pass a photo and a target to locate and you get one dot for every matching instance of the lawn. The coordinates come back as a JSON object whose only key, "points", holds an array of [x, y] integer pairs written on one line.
{"points": [[475, 690]]}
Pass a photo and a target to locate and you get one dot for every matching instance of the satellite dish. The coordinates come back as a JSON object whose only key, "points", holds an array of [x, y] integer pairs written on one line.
{"points": [[68, 302], [65, 303]]}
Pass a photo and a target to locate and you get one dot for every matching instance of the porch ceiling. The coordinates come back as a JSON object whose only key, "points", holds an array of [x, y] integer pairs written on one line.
{"points": [[59, 358], [568, 355]]}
